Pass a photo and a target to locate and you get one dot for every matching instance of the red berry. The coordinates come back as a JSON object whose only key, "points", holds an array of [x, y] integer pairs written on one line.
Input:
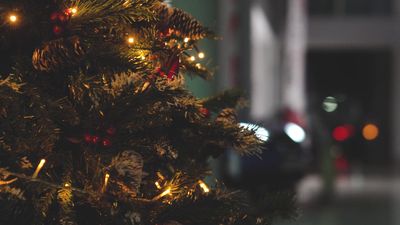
{"points": [[205, 112], [111, 131], [106, 143], [95, 139], [57, 30], [88, 138], [68, 12]]}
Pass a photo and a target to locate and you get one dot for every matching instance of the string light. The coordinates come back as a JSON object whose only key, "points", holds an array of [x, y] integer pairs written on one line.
{"points": [[13, 18], [204, 186], [106, 178], [67, 185], [72, 10], [158, 185], [201, 55], [198, 65], [38, 168], [166, 192], [186, 40], [145, 86], [192, 58], [131, 40]]}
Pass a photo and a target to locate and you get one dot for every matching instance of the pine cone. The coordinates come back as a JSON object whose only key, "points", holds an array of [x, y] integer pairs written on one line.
{"points": [[182, 23], [129, 164], [227, 115]]}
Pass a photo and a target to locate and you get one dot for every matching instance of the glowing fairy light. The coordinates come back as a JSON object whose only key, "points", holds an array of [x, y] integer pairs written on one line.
{"points": [[204, 186], [166, 192], [192, 58], [157, 185], [106, 179], [186, 40], [72, 11], [38, 168], [131, 40], [13, 18], [67, 185], [201, 55], [145, 86]]}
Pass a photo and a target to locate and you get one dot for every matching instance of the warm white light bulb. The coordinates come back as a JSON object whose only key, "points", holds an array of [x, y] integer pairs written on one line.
{"points": [[186, 40], [13, 18], [74, 10], [131, 40], [201, 55], [192, 58]]}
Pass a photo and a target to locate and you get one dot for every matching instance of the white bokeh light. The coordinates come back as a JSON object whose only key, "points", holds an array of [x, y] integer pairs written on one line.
{"points": [[330, 104], [295, 132]]}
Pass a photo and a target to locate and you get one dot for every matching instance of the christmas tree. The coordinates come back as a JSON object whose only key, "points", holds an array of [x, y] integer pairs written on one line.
{"points": [[96, 126]]}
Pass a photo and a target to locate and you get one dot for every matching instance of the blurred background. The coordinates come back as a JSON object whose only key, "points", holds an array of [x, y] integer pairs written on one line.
{"points": [[323, 82]]}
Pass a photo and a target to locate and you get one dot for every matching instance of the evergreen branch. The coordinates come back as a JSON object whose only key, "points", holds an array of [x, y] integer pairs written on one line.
{"points": [[227, 99], [196, 69], [110, 12], [182, 23], [57, 54]]}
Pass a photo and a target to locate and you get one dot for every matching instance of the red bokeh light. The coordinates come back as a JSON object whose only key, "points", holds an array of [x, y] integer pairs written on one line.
{"points": [[342, 133]]}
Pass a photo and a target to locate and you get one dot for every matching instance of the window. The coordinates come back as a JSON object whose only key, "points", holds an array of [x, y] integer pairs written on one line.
{"points": [[350, 7]]}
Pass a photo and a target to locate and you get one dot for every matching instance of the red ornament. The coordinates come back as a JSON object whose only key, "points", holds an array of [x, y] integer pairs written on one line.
{"points": [[170, 69], [205, 112], [174, 68], [57, 30], [106, 143], [88, 138], [69, 11], [95, 139], [111, 131], [160, 72]]}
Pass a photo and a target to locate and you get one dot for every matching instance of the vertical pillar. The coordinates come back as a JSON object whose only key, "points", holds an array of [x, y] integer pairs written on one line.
{"points": [[264, 61], [295, 47]]}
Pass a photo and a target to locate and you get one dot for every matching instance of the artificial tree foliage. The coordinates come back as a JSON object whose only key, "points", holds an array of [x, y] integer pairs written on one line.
{"points": [[97, 127]]}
